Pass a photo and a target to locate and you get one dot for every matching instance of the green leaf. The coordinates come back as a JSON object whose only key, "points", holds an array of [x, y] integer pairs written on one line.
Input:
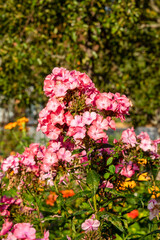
{"points": [[109, 160], [116, 221], [80, 194], [118, 237], [65, 138], [90, 151], [106, 175], [153, 232], [112, 169], [93, 180], [77, 151]]}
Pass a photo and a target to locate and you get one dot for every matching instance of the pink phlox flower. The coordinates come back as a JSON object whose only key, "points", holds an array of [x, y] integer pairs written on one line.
{"points": [[68, 238], [111, 123], [127, 171], [96, 133], [101, 123], [7, 200], [6, 227], [153, 207], [34, 147], [54, 146], [60, 90], [146, 145], [79, 133], [89, 117], [68, 118], [106, 184], [91, 99], [90, 225], [12, 162], [50, 158], [85, 80], [129, 137], [143, 135], [49, 85], [24, 231], [77, 121], [46, 236], [64, 154], [27, 158], [44, 113], [53, 105], [63, 178], [41, 152], [1, 176], [103, 102], [57, 117], [10, 237], [53, 132]]}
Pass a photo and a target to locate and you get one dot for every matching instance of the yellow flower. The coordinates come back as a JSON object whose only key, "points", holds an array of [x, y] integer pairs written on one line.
{"points": [[127, 184], [154, 190], [22, 120], [144, 177], [10, 125], [142, 161]]}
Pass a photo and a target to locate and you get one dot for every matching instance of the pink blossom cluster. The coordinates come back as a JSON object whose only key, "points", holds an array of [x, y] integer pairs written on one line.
{"points": [[142, 140], [40, 160], [20, 231], [126, 169], [77, 108], [6, 203]]}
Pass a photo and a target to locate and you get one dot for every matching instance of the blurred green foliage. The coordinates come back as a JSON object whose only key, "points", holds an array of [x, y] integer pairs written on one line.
{"points": [[116, 42]]}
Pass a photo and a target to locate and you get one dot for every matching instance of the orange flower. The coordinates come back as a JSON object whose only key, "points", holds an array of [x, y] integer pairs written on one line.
{"points": [[155, 191], [101, 209], [51, 198], [67, 193], [22, 120], [10, 125], [133, 214]]}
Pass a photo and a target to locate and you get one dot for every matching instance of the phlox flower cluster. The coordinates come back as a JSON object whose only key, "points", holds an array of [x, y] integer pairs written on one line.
{"points": [[20, 231], [6, 203], [142, 140], [77, 108]]}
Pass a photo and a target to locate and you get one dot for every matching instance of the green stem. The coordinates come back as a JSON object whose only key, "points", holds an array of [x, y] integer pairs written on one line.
{"points": [[37, 207], [21, 143], [95, 203]]}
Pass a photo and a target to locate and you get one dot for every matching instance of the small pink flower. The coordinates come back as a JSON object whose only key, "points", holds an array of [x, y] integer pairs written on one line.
{"points": [[129, 137], [6, 227], [77, 122], [153, 208], [146, 145], [90, 225], [24, 231], [64, 154], [96, 133], [88, 117], [106, 184]]}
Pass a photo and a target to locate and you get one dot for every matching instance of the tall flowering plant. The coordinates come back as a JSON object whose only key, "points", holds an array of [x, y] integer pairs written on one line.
{"points": [[79, 186]]}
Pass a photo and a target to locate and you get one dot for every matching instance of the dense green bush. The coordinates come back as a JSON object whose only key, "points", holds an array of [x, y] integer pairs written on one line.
{"points": [[115, 42]]}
